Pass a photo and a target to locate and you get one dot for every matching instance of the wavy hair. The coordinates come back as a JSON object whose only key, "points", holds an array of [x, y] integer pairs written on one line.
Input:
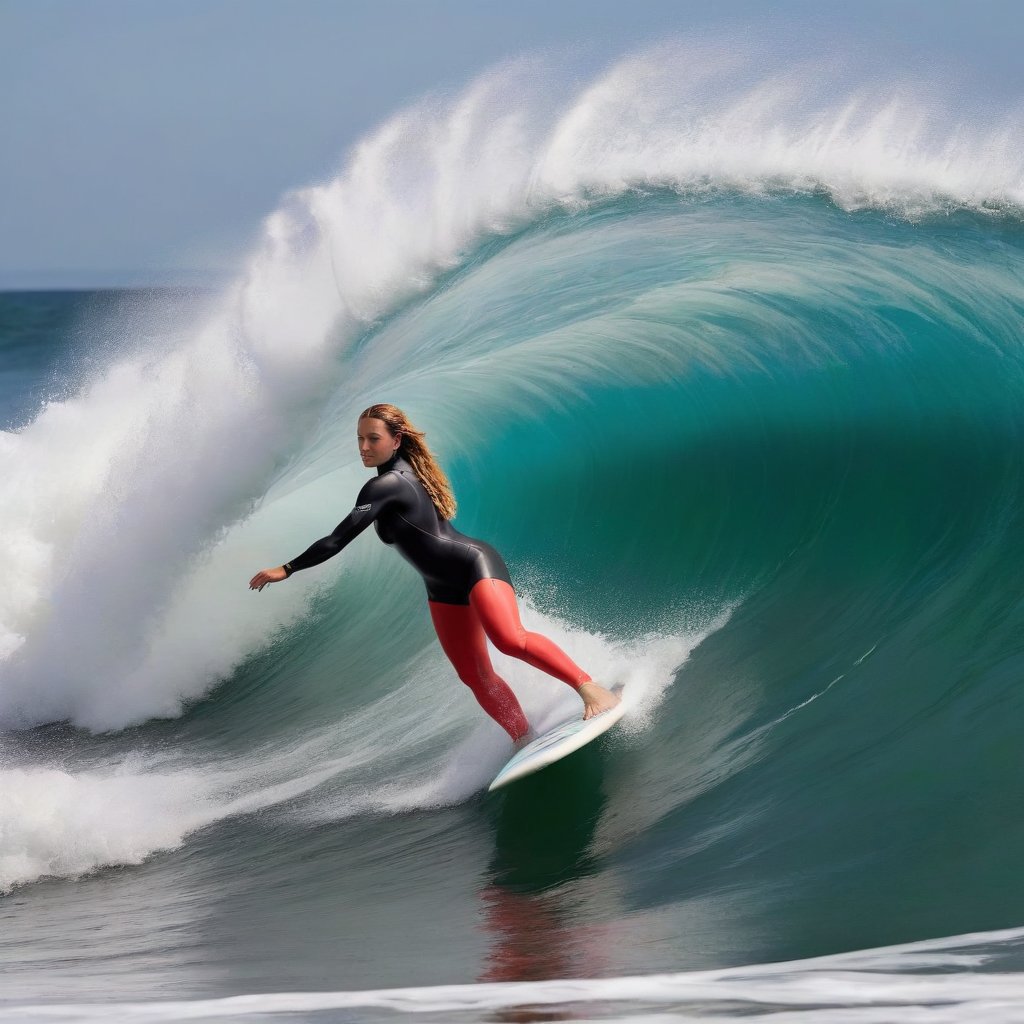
{"points": [[414, 450]]}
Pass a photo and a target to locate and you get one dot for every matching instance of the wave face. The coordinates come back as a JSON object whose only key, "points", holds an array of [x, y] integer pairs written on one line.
{"points": [[727, 364]]}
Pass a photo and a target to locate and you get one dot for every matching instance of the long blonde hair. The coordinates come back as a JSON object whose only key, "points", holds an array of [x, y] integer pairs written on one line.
{"points": [[414, 450]]}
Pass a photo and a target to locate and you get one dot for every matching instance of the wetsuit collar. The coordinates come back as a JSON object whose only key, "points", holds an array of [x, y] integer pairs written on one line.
{"points": [[392, 463]]}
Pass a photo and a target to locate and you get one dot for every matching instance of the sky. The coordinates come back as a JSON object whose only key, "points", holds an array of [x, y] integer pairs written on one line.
{"points": [[143, 141]]}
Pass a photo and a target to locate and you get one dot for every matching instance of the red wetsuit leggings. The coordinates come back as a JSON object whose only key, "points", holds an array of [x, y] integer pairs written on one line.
{"points": [[492, 614]]}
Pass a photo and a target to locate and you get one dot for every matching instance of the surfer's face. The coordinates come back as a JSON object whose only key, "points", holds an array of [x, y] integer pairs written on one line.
{"points": [[376, 442]]}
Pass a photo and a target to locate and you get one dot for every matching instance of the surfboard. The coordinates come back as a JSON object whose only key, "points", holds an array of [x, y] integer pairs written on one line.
{"points": [[557, 743]]}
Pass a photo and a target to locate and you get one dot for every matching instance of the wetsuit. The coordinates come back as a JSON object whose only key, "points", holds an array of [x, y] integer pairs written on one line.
{"points": [[468, 587], [403, 515]]}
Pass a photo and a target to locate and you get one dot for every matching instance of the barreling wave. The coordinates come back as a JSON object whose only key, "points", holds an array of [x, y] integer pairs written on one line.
{"points": [[113, 497], [725, 360]]}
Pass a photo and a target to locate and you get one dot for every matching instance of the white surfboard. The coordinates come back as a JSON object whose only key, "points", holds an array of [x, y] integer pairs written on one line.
{"points": [[557, 743]]}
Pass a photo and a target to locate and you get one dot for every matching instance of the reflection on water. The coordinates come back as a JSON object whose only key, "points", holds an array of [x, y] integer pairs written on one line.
{"points": [[544, 829]]}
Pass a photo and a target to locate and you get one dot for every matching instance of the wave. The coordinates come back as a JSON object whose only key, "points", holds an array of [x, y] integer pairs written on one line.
{"points": [[724, 358], [116, 499]]}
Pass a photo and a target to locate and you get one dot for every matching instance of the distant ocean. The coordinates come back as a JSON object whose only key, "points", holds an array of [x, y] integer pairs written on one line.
{"points": [[728, 364]]}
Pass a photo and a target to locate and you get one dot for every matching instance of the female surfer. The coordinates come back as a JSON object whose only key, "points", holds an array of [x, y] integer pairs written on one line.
{"points": [[469, 590]]}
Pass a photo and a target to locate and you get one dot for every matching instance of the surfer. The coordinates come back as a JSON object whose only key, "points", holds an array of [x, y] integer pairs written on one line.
{"points": [[469, 590]]}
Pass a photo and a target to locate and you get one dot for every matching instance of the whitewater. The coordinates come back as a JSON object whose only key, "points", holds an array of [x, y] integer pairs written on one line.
{"points": [[723, 353]]}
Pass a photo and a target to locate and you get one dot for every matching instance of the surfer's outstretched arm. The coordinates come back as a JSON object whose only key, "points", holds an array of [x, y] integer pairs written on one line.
{"points": [[373, 499]]}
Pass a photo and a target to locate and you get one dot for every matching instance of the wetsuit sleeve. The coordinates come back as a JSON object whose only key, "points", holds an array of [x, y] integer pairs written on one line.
{"points": [[379, 495]]}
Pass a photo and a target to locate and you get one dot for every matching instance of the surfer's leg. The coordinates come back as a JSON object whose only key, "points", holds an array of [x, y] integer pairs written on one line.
{"points": [[463, 641], [494, 601]]}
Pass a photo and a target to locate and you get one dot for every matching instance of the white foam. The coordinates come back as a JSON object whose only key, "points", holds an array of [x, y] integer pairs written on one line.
{"points": [[55, 823]]}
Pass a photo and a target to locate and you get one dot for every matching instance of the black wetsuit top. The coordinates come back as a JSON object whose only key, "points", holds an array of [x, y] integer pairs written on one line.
{"points": [[403, 514]]}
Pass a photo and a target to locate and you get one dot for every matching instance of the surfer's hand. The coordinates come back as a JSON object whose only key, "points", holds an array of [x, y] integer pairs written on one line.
{"points": [[265, 576]]}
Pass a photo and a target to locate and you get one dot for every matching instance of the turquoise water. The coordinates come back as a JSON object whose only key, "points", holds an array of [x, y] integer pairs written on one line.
{"points": [[750, 440]]}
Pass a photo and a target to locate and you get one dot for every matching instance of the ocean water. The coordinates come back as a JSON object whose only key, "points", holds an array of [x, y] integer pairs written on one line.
{"points": [[726, 359]]}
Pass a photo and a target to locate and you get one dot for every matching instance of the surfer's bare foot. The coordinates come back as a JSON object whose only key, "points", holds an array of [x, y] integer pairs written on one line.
{"points": [[596, 699]]}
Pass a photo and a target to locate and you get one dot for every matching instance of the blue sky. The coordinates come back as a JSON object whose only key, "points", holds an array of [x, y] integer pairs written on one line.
{"points": [[144, 140]]}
